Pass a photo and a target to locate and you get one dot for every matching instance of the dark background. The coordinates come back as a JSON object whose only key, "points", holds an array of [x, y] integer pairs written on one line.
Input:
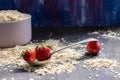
{"points": [[67, 13]]}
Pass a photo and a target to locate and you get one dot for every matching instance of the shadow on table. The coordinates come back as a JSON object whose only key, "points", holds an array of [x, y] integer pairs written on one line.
{"points": [[87, 55], [16, 70]]}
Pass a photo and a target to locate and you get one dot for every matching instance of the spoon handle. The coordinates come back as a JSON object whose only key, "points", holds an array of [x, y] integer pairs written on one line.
{"points": [[83, 41]]}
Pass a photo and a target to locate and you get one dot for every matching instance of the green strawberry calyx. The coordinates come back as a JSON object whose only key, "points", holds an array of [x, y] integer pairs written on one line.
{"points": [[45, 45], [24, 52]]}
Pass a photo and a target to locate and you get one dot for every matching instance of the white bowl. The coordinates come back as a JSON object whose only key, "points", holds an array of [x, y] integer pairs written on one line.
{"points": [[14, 33]]}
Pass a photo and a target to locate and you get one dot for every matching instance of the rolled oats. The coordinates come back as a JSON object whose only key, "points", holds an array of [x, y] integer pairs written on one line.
{"points": [[107, 63], [12, 15]]}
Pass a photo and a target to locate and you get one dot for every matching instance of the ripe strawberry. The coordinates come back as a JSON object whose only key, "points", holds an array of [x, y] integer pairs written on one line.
{"points": [[43, 52], [93, 47], [29, 55]]}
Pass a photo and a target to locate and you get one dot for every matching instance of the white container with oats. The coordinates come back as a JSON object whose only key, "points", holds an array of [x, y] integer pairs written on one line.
{"points": [[15, 28]]}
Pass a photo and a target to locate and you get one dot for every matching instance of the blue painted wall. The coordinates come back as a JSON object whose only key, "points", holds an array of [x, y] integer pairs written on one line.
{"points": [[67, 13]]}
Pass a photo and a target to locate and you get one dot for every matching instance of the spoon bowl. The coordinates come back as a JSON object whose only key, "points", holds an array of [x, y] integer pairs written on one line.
{"points": [[39, 63]]}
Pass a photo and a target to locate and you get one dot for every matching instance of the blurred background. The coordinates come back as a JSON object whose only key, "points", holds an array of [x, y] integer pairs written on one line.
{"points": [[67, 13]]}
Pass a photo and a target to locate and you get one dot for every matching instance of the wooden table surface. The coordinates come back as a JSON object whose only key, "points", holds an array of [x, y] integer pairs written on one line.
{"points": [[110, 50]]}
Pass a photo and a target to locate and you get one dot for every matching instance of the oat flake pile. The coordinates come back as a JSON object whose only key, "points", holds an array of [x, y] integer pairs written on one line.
{"points": [[12, 15], [62, 61]]}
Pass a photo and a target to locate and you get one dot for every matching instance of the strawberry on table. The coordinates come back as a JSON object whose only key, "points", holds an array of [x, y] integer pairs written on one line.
{"points": [[93, 47], [29, 55], [43, 52]]}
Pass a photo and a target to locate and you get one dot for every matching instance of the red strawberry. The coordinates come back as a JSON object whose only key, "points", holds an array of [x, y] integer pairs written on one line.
{"points": [[43, 52], [93, 47], [29, 55]]}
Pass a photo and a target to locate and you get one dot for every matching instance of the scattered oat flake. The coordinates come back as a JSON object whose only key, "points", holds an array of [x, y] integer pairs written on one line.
{"points": [[10, 70], [5, 69], [96, 75], [52, 78], [31, 79], [39, 77], [106, 34], [84, 66], [4, 79], [96, 63], [90, 77], [8, 66], [110, 34], [102, 44], [93, 33], [12, 79]]}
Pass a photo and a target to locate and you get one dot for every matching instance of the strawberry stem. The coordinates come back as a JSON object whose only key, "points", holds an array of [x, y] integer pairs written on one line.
{"points": [[23, 53]]}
